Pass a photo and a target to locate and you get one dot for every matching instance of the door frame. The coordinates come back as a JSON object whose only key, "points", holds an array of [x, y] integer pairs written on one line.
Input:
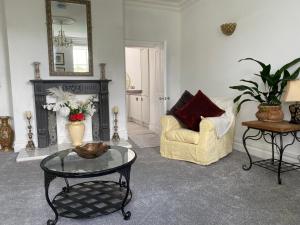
{"points": [[151, 44]]}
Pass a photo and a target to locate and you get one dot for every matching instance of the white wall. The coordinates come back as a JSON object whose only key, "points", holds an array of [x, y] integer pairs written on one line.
{"points": [[133, 67], [27, 42], [266, 30], [5, 106], [158, 25]]}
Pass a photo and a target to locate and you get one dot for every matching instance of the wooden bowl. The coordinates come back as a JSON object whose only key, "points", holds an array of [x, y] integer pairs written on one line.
{"points": [[91, 150]]}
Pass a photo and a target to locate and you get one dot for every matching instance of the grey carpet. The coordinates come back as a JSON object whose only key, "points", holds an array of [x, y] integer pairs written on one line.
{"points": [[165, 192]]}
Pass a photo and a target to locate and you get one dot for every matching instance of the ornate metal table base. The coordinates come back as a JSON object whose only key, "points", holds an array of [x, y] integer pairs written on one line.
{"points": [[275, 165], [90, 199]]}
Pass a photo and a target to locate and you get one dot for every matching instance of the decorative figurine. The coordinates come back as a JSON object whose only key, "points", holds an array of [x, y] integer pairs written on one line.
{"points": [[37, 74], [115, 137], [30, 145], [102, 71], [6, 134]]}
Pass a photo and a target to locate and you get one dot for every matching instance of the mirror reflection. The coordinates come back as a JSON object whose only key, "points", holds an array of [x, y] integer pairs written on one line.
{"points": [[70, 38]]}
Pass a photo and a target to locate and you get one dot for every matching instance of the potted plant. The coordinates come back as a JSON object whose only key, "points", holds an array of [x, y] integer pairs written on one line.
{"points": [[76, 111], [269, 93]]}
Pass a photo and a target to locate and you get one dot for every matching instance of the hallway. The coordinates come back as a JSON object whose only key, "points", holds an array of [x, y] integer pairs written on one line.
{"points": [[142, 136]]}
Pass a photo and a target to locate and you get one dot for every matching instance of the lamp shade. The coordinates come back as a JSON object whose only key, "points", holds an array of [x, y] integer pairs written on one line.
{"points": [[292, 93]]}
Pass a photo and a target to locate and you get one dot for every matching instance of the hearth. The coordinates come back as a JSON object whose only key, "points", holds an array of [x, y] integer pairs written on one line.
{"points": [[46, 120]]}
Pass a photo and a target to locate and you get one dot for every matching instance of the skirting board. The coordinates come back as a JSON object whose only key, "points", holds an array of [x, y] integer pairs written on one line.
{"points": [[18, 145], [264, 154]]}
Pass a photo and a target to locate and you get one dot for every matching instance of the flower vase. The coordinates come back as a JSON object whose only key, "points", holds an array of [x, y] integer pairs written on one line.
{"points": [[6, 134], [76, 131]]}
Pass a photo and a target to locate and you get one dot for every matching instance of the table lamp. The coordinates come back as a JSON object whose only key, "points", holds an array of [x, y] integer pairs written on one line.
{"points": [[292, 94]]}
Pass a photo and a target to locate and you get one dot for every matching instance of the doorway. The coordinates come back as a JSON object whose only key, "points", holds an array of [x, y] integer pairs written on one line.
{"points": [[145, 92]]}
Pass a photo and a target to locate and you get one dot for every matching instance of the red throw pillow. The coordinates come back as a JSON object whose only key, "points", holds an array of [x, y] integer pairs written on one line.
{"points": [[185, 97], [200, 105]]}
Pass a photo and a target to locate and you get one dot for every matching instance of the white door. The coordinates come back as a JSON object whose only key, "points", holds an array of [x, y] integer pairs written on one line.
{"points": [[145, 86], [135, 108], [145, 110], [145, 71], [157, 88]]}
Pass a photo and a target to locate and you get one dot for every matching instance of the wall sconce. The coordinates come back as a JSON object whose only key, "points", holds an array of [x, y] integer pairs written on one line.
{"points": [[228, 28]]}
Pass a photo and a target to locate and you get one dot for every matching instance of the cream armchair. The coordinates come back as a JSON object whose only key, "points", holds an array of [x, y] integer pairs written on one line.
{"points": [[203, 147]]}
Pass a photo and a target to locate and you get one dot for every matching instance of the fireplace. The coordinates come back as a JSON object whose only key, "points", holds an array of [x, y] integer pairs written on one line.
{"points": [[46, 120]]}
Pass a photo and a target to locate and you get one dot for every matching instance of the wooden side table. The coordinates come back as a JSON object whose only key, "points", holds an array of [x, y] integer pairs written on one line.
{"points": [[273, 134]]}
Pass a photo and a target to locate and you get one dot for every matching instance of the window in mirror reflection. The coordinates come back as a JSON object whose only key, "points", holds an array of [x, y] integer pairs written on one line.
{"points": [[80, 58]]}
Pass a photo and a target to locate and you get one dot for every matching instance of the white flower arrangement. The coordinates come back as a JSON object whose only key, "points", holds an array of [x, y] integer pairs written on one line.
{"points": [[67, 105]]}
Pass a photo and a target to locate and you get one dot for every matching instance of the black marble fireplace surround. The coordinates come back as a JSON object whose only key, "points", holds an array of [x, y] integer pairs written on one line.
{"points": [[46, 120]]}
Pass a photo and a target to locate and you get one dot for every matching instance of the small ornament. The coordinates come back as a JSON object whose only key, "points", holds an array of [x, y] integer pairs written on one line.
{"points": [[30, 145], [102, 71], [37, 74], [115, 137]]}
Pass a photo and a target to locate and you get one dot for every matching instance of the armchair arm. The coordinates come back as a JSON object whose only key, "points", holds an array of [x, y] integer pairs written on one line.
{"points": [[169, 123], [206, 125], [221, 125]]}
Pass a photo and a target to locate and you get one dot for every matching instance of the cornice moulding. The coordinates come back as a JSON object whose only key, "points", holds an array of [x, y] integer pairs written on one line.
{"points": [[158, 4], [187, 3]]}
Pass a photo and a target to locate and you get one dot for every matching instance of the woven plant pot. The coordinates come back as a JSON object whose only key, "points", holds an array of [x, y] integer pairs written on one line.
{"points": [[270, 113]]}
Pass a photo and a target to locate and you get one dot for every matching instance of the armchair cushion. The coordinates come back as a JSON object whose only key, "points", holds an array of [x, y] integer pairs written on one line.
{"points": [[200, 105], [185, 97], [183, 135]]}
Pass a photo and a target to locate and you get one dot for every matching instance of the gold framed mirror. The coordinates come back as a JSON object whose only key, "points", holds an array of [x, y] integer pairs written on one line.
{"points": [[69, 30]]}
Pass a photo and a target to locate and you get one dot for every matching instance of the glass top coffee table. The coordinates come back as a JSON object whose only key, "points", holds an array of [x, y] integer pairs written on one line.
{"points": [[89, 199]]}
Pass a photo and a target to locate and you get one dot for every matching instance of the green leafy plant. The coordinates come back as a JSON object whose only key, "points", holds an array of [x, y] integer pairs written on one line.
{"points": [[273, 84]]}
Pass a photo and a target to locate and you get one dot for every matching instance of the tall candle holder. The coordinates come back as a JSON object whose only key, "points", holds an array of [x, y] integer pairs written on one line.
{"points": [[115, 137], [30, 144]]}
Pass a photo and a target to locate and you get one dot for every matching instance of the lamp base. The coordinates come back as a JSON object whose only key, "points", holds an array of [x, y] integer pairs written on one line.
{"points": [[295, 113]]}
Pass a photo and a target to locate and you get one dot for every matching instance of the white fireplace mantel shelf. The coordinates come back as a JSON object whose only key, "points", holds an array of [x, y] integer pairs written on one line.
{"points": [[41, 153]]}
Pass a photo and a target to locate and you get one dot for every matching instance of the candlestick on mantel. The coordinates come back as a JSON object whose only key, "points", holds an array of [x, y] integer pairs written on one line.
{"points": [[115, 109], [28, 114], [30, 144]]}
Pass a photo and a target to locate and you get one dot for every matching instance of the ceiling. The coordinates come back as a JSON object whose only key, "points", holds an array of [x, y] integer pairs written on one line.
{"points": [[76, 12], [167, 1]]}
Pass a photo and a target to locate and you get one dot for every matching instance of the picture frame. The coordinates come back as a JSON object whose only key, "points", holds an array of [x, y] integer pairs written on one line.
{"points": [[60, 69], [60, 59]]}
